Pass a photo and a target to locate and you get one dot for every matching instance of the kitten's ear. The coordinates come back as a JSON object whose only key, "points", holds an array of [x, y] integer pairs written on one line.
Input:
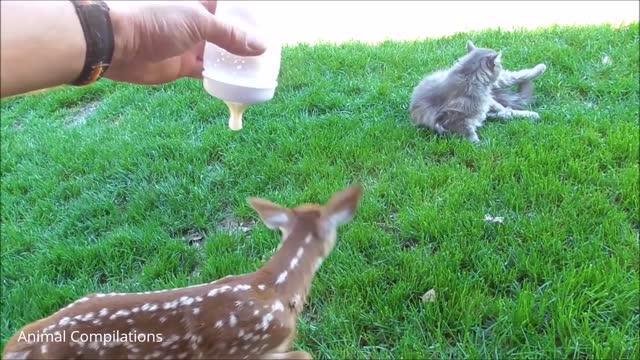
{"points": [[470, 46], [494, 59]]}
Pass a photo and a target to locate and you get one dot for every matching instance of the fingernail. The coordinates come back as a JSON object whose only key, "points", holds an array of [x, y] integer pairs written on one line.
{"points": [[256, 44]]}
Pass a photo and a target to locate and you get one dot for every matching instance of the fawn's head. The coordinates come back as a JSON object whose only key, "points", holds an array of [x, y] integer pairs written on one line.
{"points": [[319, 221]]}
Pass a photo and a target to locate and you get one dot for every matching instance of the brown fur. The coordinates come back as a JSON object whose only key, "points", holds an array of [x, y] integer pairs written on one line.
{"points": [[255, 316]]}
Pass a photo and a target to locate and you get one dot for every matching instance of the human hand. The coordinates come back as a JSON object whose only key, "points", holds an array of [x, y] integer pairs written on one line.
{"points": [[159, 42]]}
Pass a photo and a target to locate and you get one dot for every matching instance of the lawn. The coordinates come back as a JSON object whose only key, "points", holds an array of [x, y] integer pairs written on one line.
{"points": [[115, 188]]}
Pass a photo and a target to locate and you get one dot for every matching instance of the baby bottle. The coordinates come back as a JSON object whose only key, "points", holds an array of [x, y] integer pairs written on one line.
{"points": [[241, 81]]}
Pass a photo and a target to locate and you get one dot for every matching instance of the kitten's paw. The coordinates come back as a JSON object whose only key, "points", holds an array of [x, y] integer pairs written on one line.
{"points": [[531, 115], [526, 114], [505, 114], [540, 69], [474, 139]]}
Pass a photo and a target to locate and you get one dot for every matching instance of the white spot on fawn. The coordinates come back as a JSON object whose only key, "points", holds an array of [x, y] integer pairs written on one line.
{"points": [[50, 327], [220, 290], [300, 252], [233, 320], [185, 300], [261, 287], [119, 313], [43, 348], [307, 239], [294, 263], [241, 287], [170, 305], [149, 307], [277, 306], [170, 340], [266, 320], [219, 323], [282, 277], [196, 311]]}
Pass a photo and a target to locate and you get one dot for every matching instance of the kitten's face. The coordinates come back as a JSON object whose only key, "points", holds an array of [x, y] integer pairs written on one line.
{"points": [[483, 64]]}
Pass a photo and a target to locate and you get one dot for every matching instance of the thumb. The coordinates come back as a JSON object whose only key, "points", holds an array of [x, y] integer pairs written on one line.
{"points": [[232, 38]]}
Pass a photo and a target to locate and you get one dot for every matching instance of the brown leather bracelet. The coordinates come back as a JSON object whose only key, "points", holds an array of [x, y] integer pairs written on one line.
{"points": [[98, 33]]}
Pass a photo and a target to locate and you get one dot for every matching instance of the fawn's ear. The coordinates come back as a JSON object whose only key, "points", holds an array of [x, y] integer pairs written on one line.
{"points": [[274, 216], [342, 206], [470, 46]]}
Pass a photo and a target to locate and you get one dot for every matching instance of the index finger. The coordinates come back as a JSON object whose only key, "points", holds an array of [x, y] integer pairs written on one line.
{"points": [[232, 38], [210, 5]]}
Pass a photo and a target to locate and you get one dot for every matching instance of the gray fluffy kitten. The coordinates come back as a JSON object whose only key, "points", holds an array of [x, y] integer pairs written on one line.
{"points": [[459, 99]]}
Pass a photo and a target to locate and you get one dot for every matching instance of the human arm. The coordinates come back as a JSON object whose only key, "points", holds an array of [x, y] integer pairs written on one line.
{"points": [[39, 50], [154, 42]]}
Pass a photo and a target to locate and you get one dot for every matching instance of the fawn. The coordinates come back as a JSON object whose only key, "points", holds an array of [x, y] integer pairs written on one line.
{"points": [[245, 316]]}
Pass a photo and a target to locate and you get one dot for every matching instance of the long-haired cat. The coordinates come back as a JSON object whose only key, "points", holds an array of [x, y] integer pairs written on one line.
{"points": [[458, 100]]}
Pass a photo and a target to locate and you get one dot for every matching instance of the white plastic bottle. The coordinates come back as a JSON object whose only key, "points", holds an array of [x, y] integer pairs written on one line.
{"points": [[242, 81]]}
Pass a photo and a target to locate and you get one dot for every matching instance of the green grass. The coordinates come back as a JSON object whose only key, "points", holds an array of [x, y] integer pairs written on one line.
{"points": [[105, 205]]}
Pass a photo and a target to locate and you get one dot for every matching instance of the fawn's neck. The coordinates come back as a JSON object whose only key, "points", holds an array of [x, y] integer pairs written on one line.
{"points": [[291, 270]]}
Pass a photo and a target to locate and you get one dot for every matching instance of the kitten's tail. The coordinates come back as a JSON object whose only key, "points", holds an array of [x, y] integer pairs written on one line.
{"points": [[515, 100]]}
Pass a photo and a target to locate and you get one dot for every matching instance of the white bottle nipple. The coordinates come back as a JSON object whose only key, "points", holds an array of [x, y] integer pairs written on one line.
{"points": [[235, 115]]}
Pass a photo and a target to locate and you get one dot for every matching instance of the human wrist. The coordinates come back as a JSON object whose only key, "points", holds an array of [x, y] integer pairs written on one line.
{"points": [[95, 20], [122, 38]]}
